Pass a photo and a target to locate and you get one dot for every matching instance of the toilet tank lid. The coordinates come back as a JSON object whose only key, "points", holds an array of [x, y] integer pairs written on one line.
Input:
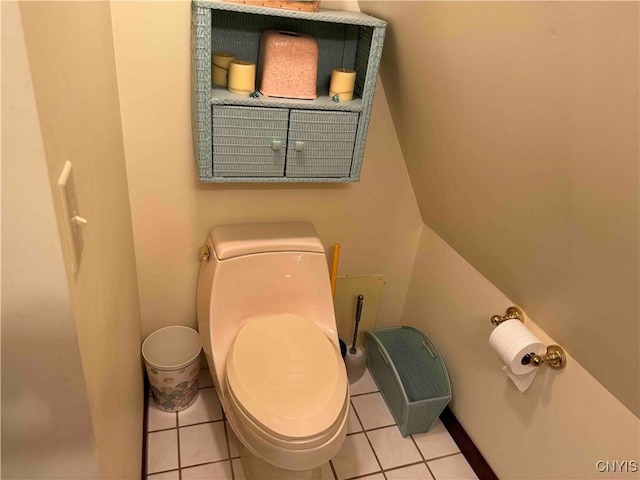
{"points": [[231, 241]]}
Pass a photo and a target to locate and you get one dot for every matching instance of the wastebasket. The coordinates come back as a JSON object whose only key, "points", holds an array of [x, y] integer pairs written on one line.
{"points": [[172, 359]]}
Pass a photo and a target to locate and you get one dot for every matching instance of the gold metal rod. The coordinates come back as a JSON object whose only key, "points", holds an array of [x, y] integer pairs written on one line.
{"points": [[555, 358]]}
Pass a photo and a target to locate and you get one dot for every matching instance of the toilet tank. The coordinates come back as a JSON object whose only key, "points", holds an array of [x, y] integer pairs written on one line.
{"points": [[261, 270]]}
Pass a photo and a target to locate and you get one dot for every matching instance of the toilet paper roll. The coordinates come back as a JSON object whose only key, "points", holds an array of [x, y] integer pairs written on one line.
{"points": [[356, 364], [512, 340]]}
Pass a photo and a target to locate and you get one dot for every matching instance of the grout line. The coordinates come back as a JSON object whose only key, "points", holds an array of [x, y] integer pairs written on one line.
{"points": [[362, 394], [162, 430], [200, 423], [422, 456], [205, 463], [226, 437], [162, 471], [398, 467], [145, 426], [380, 428], [364, 475], [444, 456], [370, 444], [353, 407], [178, 435], [430, 471], [416, 445], [374, 454], [333, 470]]}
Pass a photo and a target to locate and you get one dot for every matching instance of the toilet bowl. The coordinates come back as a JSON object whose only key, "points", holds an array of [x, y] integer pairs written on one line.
{"points": [[266, 321]]}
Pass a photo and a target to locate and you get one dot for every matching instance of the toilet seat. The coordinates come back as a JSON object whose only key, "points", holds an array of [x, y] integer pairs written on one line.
{"points": [[284, 373]]}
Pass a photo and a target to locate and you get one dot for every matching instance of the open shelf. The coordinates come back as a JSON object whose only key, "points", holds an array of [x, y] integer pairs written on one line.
{"points": [[222, 96]]}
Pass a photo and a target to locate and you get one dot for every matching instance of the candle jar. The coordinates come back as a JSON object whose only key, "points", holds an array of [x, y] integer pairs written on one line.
{"points": [[242, 77], [342, 84], [220, 67]]}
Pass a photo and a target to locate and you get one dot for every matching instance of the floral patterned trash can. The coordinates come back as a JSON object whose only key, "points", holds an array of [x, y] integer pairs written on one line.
{"points": [[172, 358]]}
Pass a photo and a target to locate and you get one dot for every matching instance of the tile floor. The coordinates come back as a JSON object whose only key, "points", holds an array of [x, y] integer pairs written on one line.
{"points": [[199, 444]]}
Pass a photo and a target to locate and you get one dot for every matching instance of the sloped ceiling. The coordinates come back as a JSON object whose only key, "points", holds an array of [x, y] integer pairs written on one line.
{"points": [[519, 125]]}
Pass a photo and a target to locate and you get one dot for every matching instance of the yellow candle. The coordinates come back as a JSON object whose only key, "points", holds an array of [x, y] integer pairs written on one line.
{"points": [[242, 77], [342, 83], [220, 67]]}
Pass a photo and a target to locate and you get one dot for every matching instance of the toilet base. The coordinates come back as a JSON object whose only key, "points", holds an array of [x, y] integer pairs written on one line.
{"points": [[256, 468]]}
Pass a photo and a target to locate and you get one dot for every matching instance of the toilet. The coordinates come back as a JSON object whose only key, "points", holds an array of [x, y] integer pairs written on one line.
{"points": [[267, 325]]}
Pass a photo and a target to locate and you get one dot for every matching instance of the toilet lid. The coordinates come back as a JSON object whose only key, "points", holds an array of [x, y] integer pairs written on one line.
{"points": [[287, 376]]}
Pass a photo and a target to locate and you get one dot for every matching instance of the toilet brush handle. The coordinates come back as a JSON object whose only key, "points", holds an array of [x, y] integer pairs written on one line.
{"points": [[352, 350]]}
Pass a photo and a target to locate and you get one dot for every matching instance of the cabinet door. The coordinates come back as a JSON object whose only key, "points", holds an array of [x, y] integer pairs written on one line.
{"points": [[321, 143], [248, 141]]}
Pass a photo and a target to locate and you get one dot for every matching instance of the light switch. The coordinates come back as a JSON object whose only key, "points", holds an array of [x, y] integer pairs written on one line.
{"points": [[73, 221]]}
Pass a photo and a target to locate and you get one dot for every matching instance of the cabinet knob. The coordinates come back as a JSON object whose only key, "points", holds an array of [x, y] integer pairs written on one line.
{"points": [[299, 146], [276, 145]]}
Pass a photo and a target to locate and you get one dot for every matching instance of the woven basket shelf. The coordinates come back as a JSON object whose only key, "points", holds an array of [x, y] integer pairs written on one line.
{"points": [[332, 134]]}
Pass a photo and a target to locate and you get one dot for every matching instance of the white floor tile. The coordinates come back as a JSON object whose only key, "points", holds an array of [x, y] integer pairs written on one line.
{"points": [[206, 408], [159, 419], [172, 475], [202, 443], [238, 472], [365, 385], [392, 449], [210, 471], [373, 411], [375, 476], [455, 467], [436, 442], [355, 458], [326, 473], [414, 472], [353, 424], [162, 451], [234, 443], [204, 379]]}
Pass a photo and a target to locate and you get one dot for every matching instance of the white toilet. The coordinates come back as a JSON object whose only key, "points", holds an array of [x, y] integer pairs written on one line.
{"points": [[265, 316]]}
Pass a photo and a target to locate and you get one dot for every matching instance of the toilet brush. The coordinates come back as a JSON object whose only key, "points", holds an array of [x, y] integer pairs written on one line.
{"points": [[356, 359], [352, 350]]}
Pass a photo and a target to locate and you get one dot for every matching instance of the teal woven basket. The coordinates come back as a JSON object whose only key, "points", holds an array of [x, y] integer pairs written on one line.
{"points": [[411, 376]]}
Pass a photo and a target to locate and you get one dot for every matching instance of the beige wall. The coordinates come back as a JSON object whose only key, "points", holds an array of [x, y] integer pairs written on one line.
{"points": [[70, 49], [560, 427], [376, 221], [519, 125], [46, 425]]}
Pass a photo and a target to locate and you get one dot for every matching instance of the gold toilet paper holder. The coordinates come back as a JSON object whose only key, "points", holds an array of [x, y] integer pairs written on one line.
{"points": [[555, 356], [513, 313]]}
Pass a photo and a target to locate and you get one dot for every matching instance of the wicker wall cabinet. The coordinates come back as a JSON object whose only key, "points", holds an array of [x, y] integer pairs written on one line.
{"points": [[268, 139]]}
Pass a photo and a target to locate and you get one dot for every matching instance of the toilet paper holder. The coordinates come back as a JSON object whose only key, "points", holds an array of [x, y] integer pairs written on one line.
{"points": [[555, 356], [513, 313]]}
